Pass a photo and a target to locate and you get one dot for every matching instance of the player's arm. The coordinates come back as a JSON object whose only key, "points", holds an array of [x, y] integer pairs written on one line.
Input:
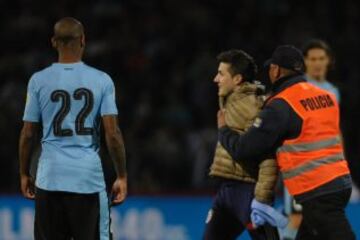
{"points": [[116, 148], [28, 137]]}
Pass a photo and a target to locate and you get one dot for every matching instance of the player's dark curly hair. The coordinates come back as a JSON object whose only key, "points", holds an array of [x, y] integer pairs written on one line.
{"points": [[240, 63], [317, 44]]}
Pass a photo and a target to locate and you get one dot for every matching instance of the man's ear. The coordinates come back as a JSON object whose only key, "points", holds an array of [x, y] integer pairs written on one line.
{"points": [[82, 41], [278, 72], [238, 78], [53, 42]]}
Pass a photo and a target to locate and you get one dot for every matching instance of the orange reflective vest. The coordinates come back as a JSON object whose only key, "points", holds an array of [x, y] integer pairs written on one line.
{"points": [[316, 156]]}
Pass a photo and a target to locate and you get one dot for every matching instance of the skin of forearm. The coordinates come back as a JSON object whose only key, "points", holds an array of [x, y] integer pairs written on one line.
{"points": [[116, 149], [26, 143]]}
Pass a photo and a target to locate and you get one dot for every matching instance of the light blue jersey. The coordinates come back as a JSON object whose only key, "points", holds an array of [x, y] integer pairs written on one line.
{"points": [[69, 100], [326, 86]]}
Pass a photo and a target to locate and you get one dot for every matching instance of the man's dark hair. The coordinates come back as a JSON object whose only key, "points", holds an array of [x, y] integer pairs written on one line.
{"points": [[317, 44], [240, 63]]}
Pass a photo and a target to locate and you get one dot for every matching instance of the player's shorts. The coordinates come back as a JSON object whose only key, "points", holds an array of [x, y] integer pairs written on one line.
{"points": [[67, 216]]}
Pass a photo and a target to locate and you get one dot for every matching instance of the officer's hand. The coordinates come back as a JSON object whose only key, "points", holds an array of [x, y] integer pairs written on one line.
{"points": [[27, 186], [119, 191], [221, 118]]}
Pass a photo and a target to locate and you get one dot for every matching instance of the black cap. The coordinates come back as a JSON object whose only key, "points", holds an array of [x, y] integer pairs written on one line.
{"points": [[289, 57]]}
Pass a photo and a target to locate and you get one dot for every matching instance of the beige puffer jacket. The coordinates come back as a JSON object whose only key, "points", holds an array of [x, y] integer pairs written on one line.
{"points": [[242, 106]]}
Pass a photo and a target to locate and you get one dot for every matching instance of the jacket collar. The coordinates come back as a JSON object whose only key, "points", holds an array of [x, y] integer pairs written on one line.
{"points": [[248, 87], [244, 89]]}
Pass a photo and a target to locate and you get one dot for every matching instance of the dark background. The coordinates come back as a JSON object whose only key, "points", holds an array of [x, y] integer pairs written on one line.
{"points": [[161, 56]]}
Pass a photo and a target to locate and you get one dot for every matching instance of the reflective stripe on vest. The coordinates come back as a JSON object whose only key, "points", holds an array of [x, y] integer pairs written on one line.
{"points": [[312, 165], [306, 147]]}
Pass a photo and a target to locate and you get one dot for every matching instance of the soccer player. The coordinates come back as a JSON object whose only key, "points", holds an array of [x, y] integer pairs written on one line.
{"points": [[68, 99], [318, 60], [239, 182]]}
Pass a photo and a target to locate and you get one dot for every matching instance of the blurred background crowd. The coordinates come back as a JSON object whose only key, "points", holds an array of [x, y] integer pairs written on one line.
{"points": [[161, 55]]}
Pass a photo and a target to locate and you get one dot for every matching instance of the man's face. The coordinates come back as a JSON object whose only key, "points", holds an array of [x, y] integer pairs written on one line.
{"points": [[274, 72], [225, 81], [317, 63]]}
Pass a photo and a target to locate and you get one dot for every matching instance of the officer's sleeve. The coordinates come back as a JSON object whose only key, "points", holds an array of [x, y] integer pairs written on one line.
{"points": [[263, 138], [32, 106], [108, 103]]}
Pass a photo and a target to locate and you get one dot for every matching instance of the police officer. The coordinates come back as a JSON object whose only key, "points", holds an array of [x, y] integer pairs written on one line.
{"points": [[300, 123]]}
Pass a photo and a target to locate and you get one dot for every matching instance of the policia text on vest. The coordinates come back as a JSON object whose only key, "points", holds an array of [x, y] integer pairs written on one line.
{"points": [[318, 102]]}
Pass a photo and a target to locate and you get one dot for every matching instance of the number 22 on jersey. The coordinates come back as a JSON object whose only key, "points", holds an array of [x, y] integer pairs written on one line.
{"points": [[65, 98]]}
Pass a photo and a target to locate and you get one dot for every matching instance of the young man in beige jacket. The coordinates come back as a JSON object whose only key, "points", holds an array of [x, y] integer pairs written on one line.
{"points": [[240, 182]]}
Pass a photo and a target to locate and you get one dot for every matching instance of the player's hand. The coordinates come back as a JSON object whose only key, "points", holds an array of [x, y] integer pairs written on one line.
{"points": [[119, 191], [221, 118], [27, 187]]}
